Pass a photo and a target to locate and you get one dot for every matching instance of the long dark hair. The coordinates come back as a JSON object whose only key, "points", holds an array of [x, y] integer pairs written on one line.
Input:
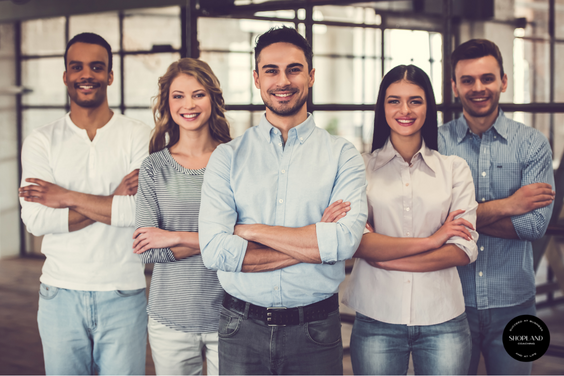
{"points": [[415, 75], [166, 132]]}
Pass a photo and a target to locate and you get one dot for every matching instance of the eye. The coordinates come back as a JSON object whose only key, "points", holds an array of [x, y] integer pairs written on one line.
{"points": [[176, 96], [417, 102], [270, 71], [199, 95], [393, 101], [466, 81], [295, 70], [76, 67], [488, 79]]}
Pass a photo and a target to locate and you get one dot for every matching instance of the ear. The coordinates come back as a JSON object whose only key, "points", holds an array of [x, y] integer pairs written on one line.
{"points": [[256, 78], [311, 77], [454, 90], [110, 77], [504, 83], [65, 77]]}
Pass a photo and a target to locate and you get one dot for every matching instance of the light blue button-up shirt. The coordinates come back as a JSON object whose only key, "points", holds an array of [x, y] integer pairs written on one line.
{"points": [[256, 178], [508, 156]]}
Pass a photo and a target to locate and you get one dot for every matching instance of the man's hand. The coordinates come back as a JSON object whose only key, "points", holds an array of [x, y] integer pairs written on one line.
{"points": [[335, 211], [128, 185], [452, 227], [530, 197], [152, 237], [45, 193]]}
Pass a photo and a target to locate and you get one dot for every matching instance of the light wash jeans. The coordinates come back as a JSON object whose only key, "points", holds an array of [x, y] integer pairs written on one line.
{"points": [[84, 332], [250, 347], [179, 353], [487, 327], [378, 348]]}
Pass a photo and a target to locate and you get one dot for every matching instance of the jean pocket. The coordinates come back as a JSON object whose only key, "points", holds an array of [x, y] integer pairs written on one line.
{"points": [[229, 323], [325, 332], [47, 292], [126, 293]]}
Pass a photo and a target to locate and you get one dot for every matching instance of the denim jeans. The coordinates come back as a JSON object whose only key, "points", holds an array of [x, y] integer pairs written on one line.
{"points": [[83, 332], [378, 348], [250, 347], [487, 327]]}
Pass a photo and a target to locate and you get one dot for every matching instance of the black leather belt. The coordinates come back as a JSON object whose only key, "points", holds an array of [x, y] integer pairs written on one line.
{"points": [[276, 316]]}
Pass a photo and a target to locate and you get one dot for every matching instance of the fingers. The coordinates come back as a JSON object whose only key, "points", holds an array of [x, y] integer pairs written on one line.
{"points": [[369, 227], [335, 211], [36, 181], [453, 214]]}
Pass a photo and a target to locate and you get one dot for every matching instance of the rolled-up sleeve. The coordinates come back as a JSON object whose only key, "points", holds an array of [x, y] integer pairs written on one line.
{"points": [[123, 207], [221, 250], [463, 197], [538, 169], [40, 219], [339, 241]]}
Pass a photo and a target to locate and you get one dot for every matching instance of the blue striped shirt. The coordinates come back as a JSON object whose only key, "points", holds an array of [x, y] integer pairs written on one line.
{"points": [[508, 156]]}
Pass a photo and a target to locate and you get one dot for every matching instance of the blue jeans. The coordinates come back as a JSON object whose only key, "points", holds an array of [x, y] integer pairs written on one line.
{"points": [[83, 332], [378, 348], [250, 347], [487, 327]]}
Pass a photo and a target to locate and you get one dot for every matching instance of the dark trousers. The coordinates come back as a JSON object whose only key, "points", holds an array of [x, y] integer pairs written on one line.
{"points": [[250, 347]]}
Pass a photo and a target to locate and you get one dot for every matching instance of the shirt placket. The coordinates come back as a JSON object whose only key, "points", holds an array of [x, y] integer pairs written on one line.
{"points": [[484, 194], [407, 227]]}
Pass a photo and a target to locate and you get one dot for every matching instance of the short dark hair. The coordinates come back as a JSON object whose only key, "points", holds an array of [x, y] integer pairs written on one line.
{"points": [[285, 35], [90, 38], [415, 75], [474, 49]]}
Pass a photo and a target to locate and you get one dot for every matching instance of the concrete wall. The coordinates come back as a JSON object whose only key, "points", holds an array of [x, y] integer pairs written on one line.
{"points": [[9, 183]]}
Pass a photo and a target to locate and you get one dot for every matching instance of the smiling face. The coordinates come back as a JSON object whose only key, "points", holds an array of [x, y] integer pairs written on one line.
{"points": [[283, 80], [189, 103], [479, 86], [405, 108], [86, 75]]}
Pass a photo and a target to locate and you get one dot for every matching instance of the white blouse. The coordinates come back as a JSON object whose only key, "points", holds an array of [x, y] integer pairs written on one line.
{"points": [[413, 200]]}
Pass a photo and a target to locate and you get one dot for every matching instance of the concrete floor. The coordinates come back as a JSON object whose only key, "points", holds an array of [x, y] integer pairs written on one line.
{"points": [[20, 346]]}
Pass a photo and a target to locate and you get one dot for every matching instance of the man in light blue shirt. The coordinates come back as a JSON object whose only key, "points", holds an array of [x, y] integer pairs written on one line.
{"points": [[511, 166], [262, 210]]}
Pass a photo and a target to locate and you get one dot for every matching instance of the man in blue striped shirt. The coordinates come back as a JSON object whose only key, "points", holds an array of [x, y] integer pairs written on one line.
{"points": [[512, 170]]}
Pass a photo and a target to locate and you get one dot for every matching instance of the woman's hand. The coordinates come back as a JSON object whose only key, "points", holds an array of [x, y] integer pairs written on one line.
{"points": [[152, 237], [451, 227], [335, 211]]}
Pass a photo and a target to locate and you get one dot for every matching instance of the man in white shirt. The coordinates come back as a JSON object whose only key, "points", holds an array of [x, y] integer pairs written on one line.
{"points": [[79, 178]]}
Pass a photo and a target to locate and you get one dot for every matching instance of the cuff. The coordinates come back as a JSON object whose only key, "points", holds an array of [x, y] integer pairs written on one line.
{"points": [[123, 211], [327, 242], [63, 220]]}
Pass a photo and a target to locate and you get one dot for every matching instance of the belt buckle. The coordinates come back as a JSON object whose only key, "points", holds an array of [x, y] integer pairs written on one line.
{"points": [[269, 315]]}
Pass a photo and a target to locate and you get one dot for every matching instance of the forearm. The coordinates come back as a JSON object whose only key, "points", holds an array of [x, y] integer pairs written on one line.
{"points": [[491, 212], [377, 247], [299, 243], [503, 228], [259, 258], [78, 221], [97, 208], [441, 258], [186, 244]]}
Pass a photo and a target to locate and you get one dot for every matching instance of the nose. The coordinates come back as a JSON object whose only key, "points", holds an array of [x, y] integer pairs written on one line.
{"points": [[404, 108], [86, 73], [283, 79], [478, 86], [189, 102]]}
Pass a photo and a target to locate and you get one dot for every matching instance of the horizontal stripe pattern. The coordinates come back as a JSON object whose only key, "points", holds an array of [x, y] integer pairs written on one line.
{"points": [[184, 294]]}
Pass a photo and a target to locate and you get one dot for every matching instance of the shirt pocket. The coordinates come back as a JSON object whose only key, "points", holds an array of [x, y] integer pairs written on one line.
{"points": [[506, 179]]}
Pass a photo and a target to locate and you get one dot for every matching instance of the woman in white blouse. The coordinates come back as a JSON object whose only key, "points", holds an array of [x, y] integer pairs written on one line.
{"points": [[422, 213]]}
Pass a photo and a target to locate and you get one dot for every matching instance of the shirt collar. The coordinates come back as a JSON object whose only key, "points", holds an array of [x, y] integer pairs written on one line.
{"points": [[499, 126], [388, 152], [302, 131]]}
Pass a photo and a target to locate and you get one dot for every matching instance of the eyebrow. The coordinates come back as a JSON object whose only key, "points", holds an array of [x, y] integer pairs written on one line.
{"points": [[270, 66], [90, 63], [413, 97]]}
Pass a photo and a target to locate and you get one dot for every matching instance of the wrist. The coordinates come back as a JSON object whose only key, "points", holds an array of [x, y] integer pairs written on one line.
{"points": [[430, 243], [69, 199]]}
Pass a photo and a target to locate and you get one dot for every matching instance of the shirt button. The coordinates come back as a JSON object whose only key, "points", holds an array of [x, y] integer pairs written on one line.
{"points": [[483, 199], [276, 288], [481, 248], [495, 136], [408, 281], [406, 209], [484, 173], [301, 138], [280, 201], [480, 274], [279, 144], [283, 171], [407, 184]]}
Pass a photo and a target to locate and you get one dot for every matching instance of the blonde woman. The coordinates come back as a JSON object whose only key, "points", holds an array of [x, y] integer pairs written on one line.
{"points": [[185, 297]]}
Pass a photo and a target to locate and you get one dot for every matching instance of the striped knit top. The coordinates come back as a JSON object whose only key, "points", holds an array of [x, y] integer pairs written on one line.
{"points": [[184, 294]]}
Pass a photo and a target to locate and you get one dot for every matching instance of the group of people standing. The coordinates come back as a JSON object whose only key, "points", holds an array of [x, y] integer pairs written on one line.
{"points": [[249, 236]]}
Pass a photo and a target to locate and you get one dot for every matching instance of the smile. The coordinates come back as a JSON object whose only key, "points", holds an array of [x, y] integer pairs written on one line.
{"points": [[478, 99], [189, 116], [406, 121]]}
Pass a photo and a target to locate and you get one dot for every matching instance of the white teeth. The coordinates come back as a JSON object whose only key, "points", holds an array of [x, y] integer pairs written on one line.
{"points": [[86, 87], [404, 121], [191, 116], [479, 99], [283, 95]]}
